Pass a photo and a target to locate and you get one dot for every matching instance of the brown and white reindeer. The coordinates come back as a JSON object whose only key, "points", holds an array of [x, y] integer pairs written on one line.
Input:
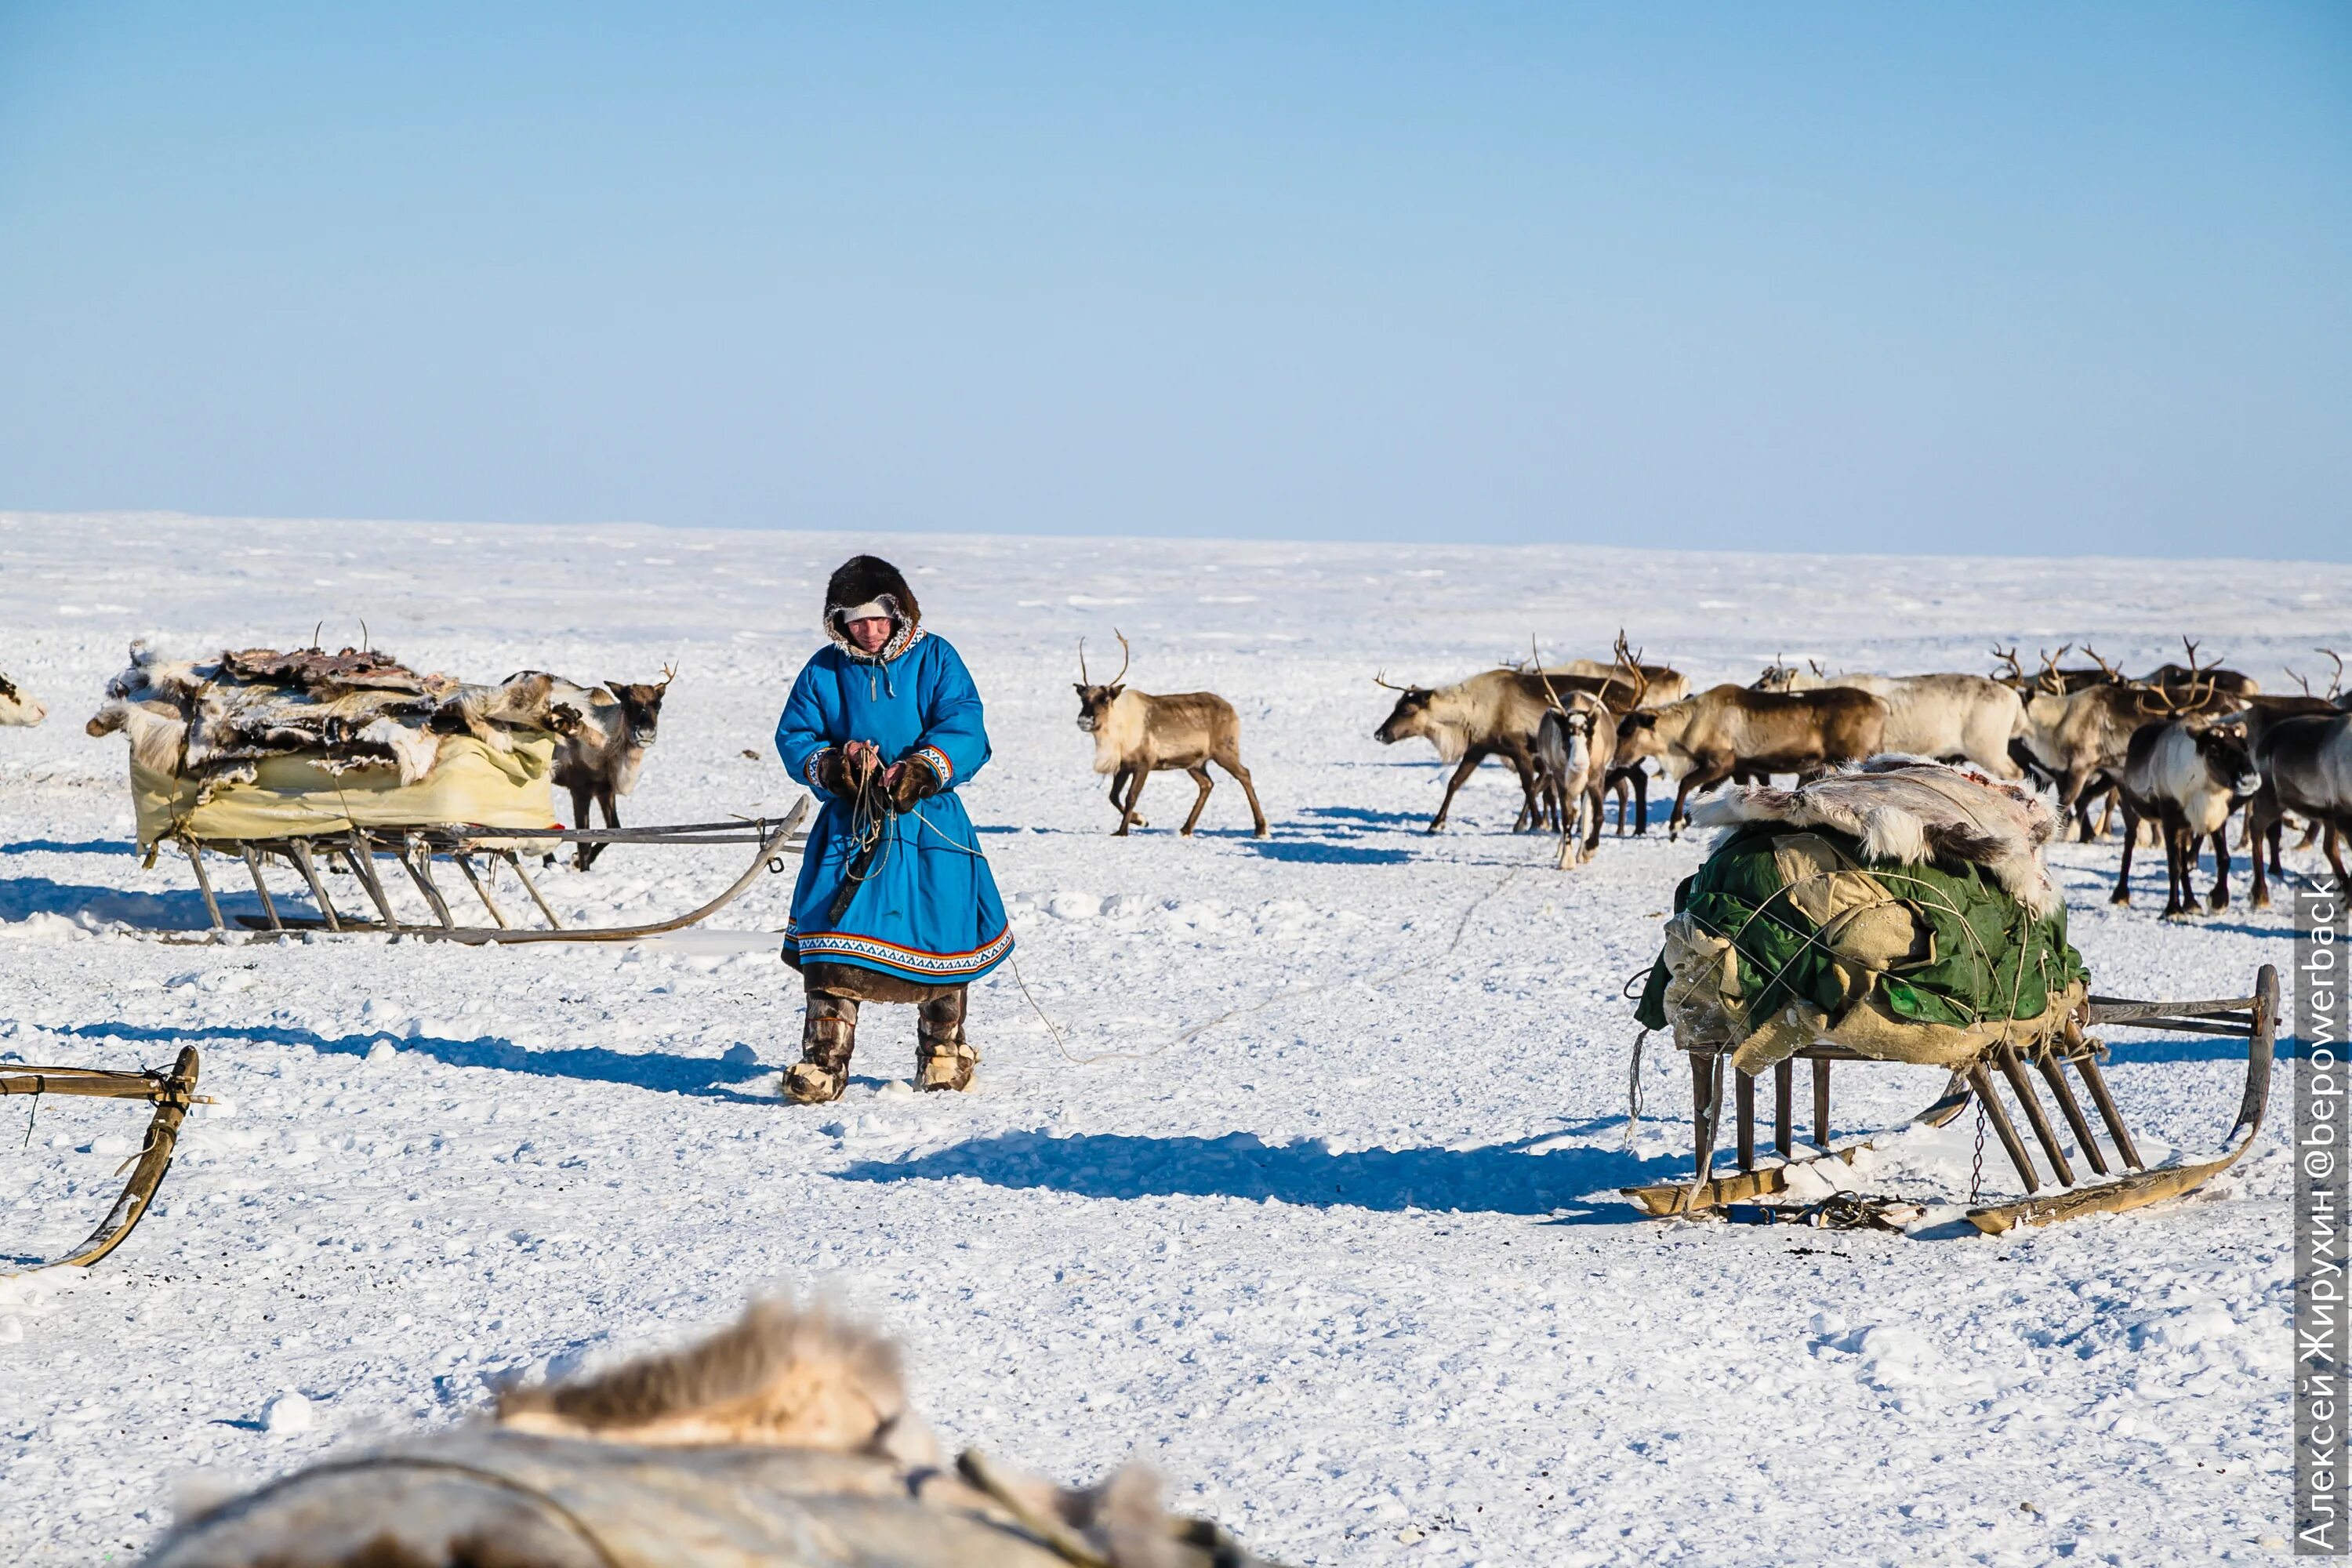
{"points": [[2188, 774], [16, 709], [1138, 734], [1946, 718], [2078, 733], [1703, 740], [1575, 746], [600, 758]]}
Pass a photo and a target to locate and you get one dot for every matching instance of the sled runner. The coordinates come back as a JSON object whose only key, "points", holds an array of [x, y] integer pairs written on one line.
{"points": [[1902, 914], [412, 850], [170, 1091]]}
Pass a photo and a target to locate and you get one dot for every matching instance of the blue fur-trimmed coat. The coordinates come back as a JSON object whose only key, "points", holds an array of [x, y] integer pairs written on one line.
{"points": [[929, 911]]}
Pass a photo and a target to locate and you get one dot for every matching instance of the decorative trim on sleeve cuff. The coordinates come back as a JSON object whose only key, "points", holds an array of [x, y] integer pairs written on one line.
{"points": [[938, 761], [808, 769]]}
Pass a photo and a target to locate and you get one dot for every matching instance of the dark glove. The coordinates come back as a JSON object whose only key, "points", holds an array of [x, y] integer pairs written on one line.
{"points": [[915, 781], [833, 774]]}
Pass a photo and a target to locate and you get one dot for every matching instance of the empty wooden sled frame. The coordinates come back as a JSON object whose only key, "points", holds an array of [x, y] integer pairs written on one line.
{"points": [[170, 1091], [2116, 1179]]}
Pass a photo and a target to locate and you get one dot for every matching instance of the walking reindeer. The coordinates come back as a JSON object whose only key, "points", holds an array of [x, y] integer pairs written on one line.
{"points": [[1136, 734]]}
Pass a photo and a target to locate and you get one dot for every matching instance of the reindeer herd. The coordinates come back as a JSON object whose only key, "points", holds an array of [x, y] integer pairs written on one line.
{"points": [[2181, 749]]}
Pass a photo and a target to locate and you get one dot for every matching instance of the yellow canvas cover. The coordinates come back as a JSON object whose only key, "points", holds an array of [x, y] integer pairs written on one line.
{"points": [[470, 783]]}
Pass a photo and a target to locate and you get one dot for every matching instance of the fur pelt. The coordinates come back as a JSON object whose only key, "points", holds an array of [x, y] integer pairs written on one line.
{"points": [[784, 1375], [865, 579], [213, 720], [18, 709], [785, 1438], [1908, 810]]}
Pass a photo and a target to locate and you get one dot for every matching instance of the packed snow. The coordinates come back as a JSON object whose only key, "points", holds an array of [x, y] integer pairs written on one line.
{"points": [[1313, 1207]]}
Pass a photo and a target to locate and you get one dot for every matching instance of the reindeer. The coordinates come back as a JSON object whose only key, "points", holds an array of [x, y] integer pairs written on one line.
{"points": [[2229, 683], [1494, 713], [1705, 738], [600, 758], [1949, 718], [1137, 735], [2078, 735], [2306, 760], [1625, 684], [16, 709], [2188, 775], [1575, 746]]}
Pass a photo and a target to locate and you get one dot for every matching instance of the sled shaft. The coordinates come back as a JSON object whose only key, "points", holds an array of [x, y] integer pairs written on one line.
{"points": [[253, 870], [298, 851], [2096, 1082], [1784, 1083], [2071, 1108]]}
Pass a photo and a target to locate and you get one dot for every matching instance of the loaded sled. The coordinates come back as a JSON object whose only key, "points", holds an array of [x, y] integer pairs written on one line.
{"points": [[326, 763], [1902, 914]]}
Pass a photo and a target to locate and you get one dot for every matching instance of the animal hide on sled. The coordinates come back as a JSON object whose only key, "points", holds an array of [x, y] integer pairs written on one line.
{"points": [[784, 1441], [1908, 810], [212, 720]]}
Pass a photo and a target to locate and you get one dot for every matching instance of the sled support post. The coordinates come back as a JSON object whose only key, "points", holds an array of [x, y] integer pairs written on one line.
{"points": [[1746, 1091], [362, 863], [1998, 1114], [422, 875], [2096, 1082], [253, 870], [1820, 1102], [2043, 1133], [298, 851], [466, 864], [203, 882], [1784, 1084], [2046, 1063], [532, 887]]}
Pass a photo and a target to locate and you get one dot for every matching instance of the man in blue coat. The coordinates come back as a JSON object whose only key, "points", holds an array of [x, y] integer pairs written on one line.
{"points": [[895, 902]]}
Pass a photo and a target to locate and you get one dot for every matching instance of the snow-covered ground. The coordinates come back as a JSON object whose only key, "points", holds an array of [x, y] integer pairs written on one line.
{"points": [[1347, 1266]]}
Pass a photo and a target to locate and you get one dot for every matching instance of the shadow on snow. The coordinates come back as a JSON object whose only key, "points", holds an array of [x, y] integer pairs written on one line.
{"points": [[660, 1071], [1504, 1178]]}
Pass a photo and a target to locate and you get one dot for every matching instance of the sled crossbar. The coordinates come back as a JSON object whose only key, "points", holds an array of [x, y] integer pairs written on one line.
{"points": [[414, 851], [171, 1090], [2070, 1055]]}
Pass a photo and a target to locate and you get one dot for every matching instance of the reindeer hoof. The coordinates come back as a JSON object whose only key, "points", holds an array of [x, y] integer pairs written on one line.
{"points": [[2120, 896]]}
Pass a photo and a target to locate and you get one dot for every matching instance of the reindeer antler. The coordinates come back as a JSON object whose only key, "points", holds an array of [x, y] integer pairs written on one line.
{"points": [[1385, 684], [669, 673], [1631, 660], [1552, 697], [2337, 683], [2191, 648], [2009, 657], [2049, 679], [1126, 653], [1084, 678], [1816, 665], [2109, 670]]}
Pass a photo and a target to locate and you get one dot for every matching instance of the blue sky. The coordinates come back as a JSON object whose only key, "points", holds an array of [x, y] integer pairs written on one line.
{"points": [[2006, 278]]}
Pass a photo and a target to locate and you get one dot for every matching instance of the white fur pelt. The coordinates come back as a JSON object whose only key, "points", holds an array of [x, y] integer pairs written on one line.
{"points": [[1908, 810]]}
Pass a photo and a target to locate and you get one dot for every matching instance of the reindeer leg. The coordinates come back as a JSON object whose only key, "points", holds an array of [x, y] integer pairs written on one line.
{"points": [[1594, 798], [2122, 895], [1701, 776], [590, 852], [2220, 895], [1134, 793], [1469, 764], [1199, 772], [2259, 829], [581, 817], [1118, 787], [2336, 856], [1624, 792], [1242, 776], [1530, 791], [1641, 803]]}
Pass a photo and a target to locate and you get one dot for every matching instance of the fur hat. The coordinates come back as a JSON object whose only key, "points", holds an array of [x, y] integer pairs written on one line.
{"points": [[860, 582]]}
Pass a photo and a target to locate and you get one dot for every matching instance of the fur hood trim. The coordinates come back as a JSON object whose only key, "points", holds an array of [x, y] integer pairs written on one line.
{"points": [[864, 580], [1908, 810]]}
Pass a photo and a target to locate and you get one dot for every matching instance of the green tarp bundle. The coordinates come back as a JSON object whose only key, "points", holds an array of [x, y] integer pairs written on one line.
{"points": [[1789, 935]]}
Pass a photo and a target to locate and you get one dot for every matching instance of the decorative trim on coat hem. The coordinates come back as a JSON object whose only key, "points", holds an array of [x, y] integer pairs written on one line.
{"points": [[841, 947], [938, 761]]}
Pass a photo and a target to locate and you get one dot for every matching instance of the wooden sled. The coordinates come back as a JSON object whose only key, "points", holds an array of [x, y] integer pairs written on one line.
{"points": [[2108, 1187], [172, 1093], [414, 850]]}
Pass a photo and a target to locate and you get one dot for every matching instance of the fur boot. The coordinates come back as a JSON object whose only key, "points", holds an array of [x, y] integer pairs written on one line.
{"points": [[942, 1060], [828, 1035]]}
